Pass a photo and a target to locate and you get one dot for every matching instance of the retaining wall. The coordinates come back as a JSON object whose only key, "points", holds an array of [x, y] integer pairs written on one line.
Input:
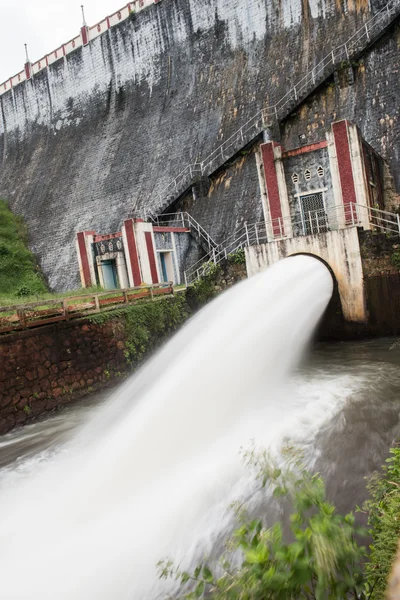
{"points": [[44, 369]]}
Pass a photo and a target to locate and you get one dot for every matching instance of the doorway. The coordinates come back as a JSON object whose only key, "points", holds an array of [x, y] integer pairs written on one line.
{"points": [[167, 267], [313, 214], [110, 279]]}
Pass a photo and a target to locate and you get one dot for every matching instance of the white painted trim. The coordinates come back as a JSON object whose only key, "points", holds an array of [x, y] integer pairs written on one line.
{"points": [[122, 270], [89, 250], [127, 256], [80, 263], [175, 259], [310, 193], [140, 229], [100, 272], [263, 192], [335, 176], [168, 265], [282, 189], [359, 176], [155, 255]]}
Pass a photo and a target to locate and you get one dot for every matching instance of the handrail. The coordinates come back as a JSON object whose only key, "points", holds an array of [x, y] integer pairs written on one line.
{"points": [[186, 220], [24, 316], [313, 222], [344, 52]]}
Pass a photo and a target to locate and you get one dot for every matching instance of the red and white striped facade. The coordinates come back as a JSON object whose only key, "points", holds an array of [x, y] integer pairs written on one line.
{"points": [[348, 157], [134, 252]]}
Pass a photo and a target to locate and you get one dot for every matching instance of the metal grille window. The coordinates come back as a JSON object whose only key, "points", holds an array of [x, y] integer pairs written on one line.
{"points": [[314, 217]]}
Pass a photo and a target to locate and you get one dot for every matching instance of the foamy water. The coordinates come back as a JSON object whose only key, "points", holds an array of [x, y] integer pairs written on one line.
{"points": [[153, 471]]}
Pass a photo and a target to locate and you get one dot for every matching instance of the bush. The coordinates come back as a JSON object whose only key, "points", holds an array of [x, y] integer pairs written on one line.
{"points": [[146, 323], [323, 560], [383, 518], [237, 258], [203, 290], [19, 274], [23, 291], [395, 260]]}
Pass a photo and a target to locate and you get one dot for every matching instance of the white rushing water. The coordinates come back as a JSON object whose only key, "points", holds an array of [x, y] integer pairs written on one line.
{"points": [[153, 472]]}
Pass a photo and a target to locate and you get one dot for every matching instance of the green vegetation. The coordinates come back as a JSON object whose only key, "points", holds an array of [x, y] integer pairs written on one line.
{"points": [[145, 323], [19, 274], [203, 291], [321, 558], [237, 258], [9, 300], [383, 511], [395, 260], [20, 279]]}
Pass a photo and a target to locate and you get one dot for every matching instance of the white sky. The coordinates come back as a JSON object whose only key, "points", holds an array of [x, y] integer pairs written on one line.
{"points": [[43, 25]]}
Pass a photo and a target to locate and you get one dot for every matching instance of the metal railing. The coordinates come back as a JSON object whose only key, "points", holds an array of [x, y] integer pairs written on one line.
{"points": [[45, 312], [301, 224], [184, 219], [344, 53]]}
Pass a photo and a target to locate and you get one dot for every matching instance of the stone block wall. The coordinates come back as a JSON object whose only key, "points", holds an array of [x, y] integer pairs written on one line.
{"points": [[377, 250], [49, 367], [369, 99], [46, 368]]}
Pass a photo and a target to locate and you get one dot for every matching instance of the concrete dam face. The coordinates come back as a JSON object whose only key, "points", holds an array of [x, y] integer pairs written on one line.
{"points": [[98, 134]]}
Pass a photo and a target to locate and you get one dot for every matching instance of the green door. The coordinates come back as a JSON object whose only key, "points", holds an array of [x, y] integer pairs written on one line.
{"points": [[109, 274]]}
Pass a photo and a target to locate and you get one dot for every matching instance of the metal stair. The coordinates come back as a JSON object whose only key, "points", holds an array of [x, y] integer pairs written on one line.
{"points": [[337, 217]]}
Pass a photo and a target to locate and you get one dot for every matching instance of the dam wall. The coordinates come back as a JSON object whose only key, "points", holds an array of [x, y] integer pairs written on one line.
{"points": [[95, 136]]}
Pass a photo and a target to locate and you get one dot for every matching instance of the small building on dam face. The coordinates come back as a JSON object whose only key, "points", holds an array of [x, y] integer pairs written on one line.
{"points": [[140, 253], [315, 199]]}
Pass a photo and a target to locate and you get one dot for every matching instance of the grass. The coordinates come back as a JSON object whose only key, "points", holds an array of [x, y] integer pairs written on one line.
{"points": [[19, 274], [21, 281], [10, 300]]}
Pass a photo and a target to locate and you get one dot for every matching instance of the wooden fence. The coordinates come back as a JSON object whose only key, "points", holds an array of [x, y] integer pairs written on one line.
{"points": [[45, 312]]}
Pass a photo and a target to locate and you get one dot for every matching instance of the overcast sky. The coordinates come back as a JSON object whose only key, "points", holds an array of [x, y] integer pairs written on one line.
{"points": [[43, 25]]}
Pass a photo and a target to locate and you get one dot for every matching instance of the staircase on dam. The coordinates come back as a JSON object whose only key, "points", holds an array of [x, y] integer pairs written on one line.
{"points": [[341, 56], [317, 222]]}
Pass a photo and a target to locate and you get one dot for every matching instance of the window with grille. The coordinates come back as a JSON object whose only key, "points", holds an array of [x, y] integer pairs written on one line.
{"points": [[314, 217]]}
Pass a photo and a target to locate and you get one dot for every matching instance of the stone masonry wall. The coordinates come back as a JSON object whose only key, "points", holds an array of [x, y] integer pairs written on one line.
{"points": [[377, 252], [98, 134], [369, 98], [49, 367], [46, 368]]}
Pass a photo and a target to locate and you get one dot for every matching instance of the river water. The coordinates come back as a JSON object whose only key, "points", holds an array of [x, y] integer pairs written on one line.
{"points": [[97, 493]]}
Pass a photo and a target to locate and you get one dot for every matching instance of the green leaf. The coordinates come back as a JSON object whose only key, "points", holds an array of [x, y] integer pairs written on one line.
{"points": [[199, 591], [207, 574]]}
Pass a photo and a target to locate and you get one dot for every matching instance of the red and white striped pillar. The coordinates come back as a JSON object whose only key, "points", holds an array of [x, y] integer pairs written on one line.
{"points": [[348, 173], [84, 29], [28, 64], [84, 241], [146, 250], [131, 253], [276, 191]]}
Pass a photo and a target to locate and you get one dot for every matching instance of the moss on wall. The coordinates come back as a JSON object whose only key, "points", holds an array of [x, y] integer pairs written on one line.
{"points": [[146, 324]]}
